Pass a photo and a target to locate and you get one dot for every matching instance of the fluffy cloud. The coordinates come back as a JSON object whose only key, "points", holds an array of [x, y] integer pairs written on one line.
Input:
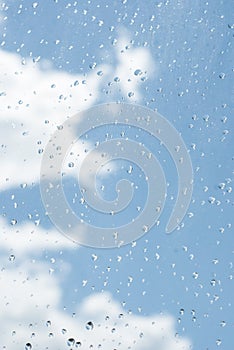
{"points": [[32, 315], [35, 99], [22, 240], [31, 304]]}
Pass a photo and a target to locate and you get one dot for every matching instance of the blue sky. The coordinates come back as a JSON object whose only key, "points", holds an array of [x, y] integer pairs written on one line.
{"points": [[58, 58]]}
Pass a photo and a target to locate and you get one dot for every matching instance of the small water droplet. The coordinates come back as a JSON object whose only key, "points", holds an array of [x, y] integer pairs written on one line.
{"points": [[222, 75], [70, 341], [89, 325], [92, 65], [213, 282], [12, 257], [137, 72], [181, 311], [13, 222], [28, 346], [94, 257]]}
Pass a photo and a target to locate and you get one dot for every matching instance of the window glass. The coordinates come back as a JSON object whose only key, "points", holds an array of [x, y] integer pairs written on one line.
{"points": [[110, 111]]}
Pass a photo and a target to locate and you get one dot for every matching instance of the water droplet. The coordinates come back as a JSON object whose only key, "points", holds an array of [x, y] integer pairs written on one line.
{"points": [[70, 341], [48, 323], [213, 282], [89, 325], [28, 346], [13, 222], [71, 165], [137, 72], [92, 65], [211, 200], [218, 342], [35, 5], [23, 185], [11, 257], [94, 257], [78, 344], [222, 75], [181, 311]]}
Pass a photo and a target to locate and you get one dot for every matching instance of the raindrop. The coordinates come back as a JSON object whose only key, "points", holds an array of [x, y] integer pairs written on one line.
{"points": [[181, 311], [92, 65], [213, 282], [70, 341], [11, 257], [13, 222], [89, 325], [48, 323], [34, 5], [28, 346], [94, 257], [71, 165], [218, 342], [222, 75], [137, 72]]}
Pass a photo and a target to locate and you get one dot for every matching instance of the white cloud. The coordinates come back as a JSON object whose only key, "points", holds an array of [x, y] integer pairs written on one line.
{"points": [[29, 99], [33, 93], [30, 293], [29, 239], [30, 297], [135, 65]]}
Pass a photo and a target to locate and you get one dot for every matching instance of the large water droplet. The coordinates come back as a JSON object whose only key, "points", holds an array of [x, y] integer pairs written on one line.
{"points": [[89, 325], [137, 72], [70, 341], [11, 257]]}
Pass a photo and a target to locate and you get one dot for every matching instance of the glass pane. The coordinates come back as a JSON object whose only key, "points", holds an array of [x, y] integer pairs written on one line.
{"points": [[108, 111]]}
